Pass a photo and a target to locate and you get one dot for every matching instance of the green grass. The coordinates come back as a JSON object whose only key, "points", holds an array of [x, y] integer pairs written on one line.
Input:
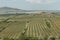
{"points": [[37, 29]]}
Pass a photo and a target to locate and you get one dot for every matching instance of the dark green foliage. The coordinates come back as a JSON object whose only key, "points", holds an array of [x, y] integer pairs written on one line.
{"points": [[52, 38], [34, 15], [41, 39], [23, 33], [6, 20], [0, 37], [31, 38], [48, 24], [27, 21], [11, 39], [59, 37]]}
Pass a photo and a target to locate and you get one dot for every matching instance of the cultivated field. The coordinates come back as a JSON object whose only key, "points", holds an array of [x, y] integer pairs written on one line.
{"points": [[42, 26]]}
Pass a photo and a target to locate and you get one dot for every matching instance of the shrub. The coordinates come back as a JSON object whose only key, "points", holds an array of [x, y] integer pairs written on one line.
{"points": [[48, 24], [27, 21], [31, 38]]}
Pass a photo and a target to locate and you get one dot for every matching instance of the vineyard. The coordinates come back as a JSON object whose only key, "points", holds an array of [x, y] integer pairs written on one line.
{"points": [[31, 27]]}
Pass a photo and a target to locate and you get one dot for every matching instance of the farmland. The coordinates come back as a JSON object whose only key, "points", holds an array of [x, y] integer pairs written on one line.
{"points": [[43, 26]]}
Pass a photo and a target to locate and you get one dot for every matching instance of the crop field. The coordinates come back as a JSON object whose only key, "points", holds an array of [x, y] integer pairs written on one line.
{"points": [[44, 27], [30, 27]]}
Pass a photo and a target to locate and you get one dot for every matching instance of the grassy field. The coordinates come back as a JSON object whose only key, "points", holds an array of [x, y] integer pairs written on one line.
{"points": [[30, 27]]}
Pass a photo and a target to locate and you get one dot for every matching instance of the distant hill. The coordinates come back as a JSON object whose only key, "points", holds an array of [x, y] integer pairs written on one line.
{"points": [[8, 10]]}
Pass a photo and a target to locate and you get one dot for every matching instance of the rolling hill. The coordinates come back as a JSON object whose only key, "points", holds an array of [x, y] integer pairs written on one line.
{"points": [[8, 10]]}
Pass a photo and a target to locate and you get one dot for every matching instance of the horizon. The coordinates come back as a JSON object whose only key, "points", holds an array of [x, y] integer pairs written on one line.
{"points": [[31, 4], [27, 9]]}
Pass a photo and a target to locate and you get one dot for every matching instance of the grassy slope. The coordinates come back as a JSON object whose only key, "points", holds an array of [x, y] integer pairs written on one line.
{"points": [[16, 25]]}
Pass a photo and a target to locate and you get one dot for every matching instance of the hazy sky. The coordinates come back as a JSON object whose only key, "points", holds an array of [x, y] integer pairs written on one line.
{"points": [[32, 4]]}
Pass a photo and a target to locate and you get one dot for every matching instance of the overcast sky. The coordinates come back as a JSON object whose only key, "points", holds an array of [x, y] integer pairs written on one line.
{"points": [[32, 4]]}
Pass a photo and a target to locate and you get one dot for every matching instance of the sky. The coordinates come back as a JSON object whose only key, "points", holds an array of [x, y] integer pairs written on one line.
{"points": [[32, 4]]}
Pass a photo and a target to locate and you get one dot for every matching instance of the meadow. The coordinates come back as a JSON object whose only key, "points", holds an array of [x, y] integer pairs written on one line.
{"points": [[43, 26]]}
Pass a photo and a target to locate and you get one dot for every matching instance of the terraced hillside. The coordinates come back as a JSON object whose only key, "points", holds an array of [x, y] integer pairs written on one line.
{"points": [[30, 27]]}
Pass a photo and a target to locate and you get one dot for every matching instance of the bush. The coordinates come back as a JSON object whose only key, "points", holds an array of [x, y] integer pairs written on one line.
{"points": [[27, 21], [48, 24], [52, 38], [32, 38]]}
